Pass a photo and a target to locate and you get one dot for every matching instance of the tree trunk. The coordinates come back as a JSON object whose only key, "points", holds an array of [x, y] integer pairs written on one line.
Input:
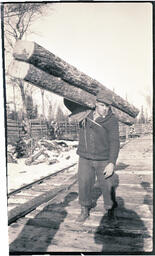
{"points": [[78, 112], [48, 62], [43, 105], [14, 102], [48, 82], [123, 117], [24, 107]]}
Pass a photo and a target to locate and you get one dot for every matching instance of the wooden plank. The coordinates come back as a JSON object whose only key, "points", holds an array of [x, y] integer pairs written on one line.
{"points": [[126, 224], [48, 82], [37, 121], [12, 129], [59, 232], [11, 120], [136, 188], [28, 239], [12, 125], [131, 227], [128, 210], [130, 178], [116, 241], [36, 125], [48, 62], [11, 134], [32, 204], [38, 129]]}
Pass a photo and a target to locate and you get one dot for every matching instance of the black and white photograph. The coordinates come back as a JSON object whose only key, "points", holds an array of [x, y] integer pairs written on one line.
{"points": [[77, 127]]}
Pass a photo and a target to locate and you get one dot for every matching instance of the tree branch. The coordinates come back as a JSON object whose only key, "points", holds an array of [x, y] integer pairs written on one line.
{"points": [[9, 42], [15, 32]]}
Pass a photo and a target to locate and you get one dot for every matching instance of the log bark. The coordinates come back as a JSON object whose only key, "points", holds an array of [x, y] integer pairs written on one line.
{"points": [[31, 159], [43, 80], [121, 116], [48, 82], [80, 111], [48, 62]]}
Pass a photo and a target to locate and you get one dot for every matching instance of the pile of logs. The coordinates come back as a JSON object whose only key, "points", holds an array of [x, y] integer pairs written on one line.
{"points": [[42, 151], [11, 154], [50, 152], [43, 69]]}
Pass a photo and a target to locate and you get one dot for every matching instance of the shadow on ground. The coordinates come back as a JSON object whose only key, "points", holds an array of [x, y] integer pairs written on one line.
{"points": [[148, 198], [124, 234], [38, 232], [121, 166]]}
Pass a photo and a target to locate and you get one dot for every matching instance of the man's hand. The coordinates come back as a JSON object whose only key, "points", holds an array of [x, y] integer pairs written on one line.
{"points": [[109, 170]]}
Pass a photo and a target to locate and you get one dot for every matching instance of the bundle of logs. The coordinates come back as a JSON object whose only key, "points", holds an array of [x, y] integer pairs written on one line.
{"points": [[38, 66]]}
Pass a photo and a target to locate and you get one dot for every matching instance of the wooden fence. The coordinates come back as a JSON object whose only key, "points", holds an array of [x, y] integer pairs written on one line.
{"points": [[64, 130], [16, 129]]}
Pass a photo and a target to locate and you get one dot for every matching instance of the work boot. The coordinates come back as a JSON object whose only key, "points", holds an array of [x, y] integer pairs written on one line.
{"points": [[93, 205], [115, 205], [111, 212], [113, 197], [84, 214]]}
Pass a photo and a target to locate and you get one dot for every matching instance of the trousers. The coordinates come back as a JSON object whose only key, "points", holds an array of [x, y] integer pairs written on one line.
{"points": [[88, 171]]}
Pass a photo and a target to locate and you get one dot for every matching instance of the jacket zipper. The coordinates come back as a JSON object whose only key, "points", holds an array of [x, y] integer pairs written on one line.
{"points": [[85, 135]]}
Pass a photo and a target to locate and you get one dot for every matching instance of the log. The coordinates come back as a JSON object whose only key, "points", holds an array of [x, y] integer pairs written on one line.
{"points": [[32, 158], [30, 205], [123, 117], [41, 79], [48, 62], [77, 110]]}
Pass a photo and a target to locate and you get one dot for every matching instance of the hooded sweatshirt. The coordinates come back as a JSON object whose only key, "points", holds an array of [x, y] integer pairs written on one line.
{"points": [[99, 140]]}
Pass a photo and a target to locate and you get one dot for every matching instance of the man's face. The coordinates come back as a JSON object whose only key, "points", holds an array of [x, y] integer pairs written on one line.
{"points": [[102, 108]]}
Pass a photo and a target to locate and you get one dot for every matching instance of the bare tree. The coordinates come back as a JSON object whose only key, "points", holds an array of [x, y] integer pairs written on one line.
{"points": [[142, 116], [43, 104], [18, 18], [50, 113], [17, 21], [60, 116]]}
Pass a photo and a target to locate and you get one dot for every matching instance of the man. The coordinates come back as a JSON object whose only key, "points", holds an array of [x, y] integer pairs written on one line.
{"points": [[98, 151]]}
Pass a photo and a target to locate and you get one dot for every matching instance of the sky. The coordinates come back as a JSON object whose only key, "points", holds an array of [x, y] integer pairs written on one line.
{"points": [[111, 42]]}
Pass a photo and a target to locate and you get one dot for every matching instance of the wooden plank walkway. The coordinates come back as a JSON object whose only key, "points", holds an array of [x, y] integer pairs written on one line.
{"points": [[52, 228]]}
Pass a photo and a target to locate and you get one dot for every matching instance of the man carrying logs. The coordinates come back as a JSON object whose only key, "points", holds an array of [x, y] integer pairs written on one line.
{"points": [[99, 134], [98, 151]]}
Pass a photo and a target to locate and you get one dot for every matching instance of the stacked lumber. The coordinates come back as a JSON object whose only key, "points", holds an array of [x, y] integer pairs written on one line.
{"points": [[42, 68], [38, 127], [13, 131]]}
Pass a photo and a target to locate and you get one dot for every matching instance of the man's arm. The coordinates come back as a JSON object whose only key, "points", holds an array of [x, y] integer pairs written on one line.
{"points": [[78, 112], [114, 141], [114, 146]]}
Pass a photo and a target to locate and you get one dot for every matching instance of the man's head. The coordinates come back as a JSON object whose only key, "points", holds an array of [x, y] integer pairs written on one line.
{"points": [[103, 103]]}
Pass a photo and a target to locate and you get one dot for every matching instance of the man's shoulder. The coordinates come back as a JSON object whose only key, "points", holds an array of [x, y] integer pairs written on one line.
{"points": [[113, 119]]}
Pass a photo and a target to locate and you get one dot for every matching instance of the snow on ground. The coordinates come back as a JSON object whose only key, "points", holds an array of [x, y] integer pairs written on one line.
{"points": [[21, 174]]}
